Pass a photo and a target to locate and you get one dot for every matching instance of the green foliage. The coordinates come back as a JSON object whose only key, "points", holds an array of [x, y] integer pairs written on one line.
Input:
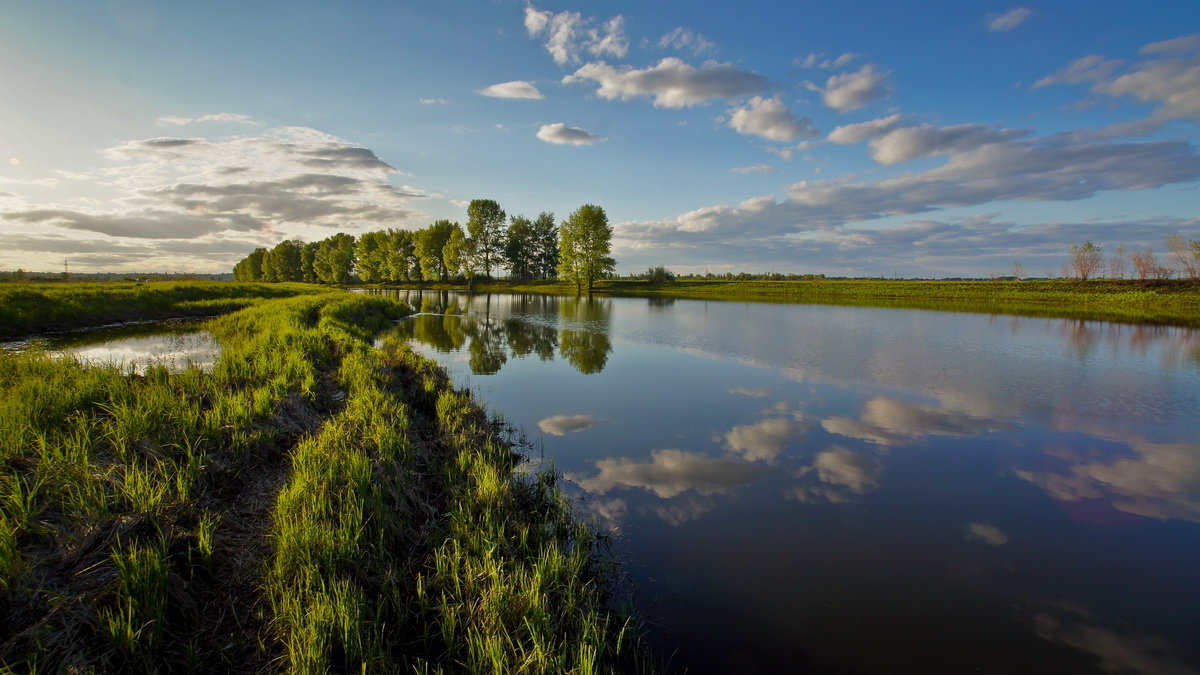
{"points": [[659, 275], [520, 248], [334, 260], [584, 243], [251, 267], [461, 255], [430, 245], [545, 244], [485, 225]]}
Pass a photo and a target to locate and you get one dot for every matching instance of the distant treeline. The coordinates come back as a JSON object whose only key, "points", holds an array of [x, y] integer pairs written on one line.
{"points": [[25, 275], [527, 249]]}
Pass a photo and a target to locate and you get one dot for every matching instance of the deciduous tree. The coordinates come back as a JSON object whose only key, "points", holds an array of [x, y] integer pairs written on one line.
{"points": [[584, 243], [485, 224]]}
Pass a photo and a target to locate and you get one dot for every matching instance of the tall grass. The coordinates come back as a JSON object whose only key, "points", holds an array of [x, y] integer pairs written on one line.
{"points": [[310, 503], [27, 308]]}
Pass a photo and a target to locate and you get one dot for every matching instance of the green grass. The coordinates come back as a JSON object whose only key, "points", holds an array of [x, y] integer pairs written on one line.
{"points": [[27, 308], [310, 504], [1175, 302]]}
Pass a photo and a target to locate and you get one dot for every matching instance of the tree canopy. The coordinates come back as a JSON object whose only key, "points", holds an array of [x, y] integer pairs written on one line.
{"points": [[584, 244]]}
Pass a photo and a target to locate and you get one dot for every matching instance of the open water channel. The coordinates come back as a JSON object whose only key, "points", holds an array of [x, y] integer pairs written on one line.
{"points": [[851, 489]]}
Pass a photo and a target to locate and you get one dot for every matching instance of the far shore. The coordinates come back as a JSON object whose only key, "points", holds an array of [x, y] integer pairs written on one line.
{"points": [[1166, 302]]}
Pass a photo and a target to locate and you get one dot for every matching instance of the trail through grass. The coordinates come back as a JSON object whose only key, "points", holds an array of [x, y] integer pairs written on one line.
{"points": [[309, 504]]}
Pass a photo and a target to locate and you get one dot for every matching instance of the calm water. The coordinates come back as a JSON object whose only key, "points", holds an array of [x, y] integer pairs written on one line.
{"points": [[175, 343], [848, 489]]}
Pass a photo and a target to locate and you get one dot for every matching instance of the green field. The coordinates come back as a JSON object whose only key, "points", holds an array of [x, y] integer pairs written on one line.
{"points": [[27, 308], [311, 503], [1164, 302]]}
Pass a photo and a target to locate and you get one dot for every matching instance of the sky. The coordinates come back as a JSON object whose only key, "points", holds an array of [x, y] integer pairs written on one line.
{"points": [[852, 139]]}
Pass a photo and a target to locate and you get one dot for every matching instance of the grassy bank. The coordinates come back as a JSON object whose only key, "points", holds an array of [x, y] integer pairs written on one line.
{"points": [[312, 504], [27, 308], [1174, 302]]}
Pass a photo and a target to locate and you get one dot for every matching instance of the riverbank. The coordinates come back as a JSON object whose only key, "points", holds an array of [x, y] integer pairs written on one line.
{"points": [[1172, 302], [311, 503], [27, 308]]}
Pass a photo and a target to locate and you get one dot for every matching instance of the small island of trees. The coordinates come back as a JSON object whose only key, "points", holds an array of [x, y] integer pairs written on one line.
{"points": [[576, 252]]}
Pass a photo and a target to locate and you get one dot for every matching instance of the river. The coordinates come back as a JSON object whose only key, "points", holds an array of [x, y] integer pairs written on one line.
{"points": [[855, 489]]}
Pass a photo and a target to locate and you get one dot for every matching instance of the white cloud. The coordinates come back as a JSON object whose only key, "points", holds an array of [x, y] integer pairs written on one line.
{"points": [[752, 393], [816, 60], [672, 83], [683, 39], [432, 101], [269, 184], [216, 118], [851, 91], [756, 168], [514, 89], [986, 533], [1008, 20], [1051, 169], [769, 118], [1168, 77], [561, 134], [568, 34], [892, 141], [561, 425], [889, 421], [670, 473]]}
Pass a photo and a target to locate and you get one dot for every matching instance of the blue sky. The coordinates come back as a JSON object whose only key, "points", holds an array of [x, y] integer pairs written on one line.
{"points": [[870, 138]]}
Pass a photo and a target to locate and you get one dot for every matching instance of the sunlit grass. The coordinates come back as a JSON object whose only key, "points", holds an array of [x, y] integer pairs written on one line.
{"points": [[394, 532]]}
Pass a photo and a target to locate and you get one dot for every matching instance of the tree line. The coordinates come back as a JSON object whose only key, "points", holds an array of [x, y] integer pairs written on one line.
{"points": [[576, 251], [1088, 261]]}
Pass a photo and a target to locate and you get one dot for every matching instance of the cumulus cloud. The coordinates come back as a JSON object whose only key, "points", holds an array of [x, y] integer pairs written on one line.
{"points": [[569, 34], [1052, 169], [514, 89], [893, 141], [561, 425], [1013, 18], [268, 185], [561, 134], [763, 441], [769, 118], [672, 83], [683, 39], [1167, 76], [987, 533], [670, 473], [851, 91], [218, 118], [856, 472]]}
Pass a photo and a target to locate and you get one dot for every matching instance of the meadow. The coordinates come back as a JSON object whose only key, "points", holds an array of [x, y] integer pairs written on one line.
{"points": [[27, 308], [311, 503], [1173, 302]]}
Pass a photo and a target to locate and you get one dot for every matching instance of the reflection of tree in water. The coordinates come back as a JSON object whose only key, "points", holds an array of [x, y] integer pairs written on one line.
{"points": [[444, 333], [659, 304], [487, 347], [586, 345], [576, 328]]}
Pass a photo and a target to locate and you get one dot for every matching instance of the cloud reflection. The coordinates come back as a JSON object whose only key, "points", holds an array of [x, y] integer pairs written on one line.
{"points": [[561, 425], [890, 421], [1118, 651], [1158, 480], [670, 473], [763, 441], [844, 475], [987, 533]]}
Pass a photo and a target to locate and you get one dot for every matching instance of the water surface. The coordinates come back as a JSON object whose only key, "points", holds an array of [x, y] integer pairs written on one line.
{"points": [[174, 344], [853, 489]]}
